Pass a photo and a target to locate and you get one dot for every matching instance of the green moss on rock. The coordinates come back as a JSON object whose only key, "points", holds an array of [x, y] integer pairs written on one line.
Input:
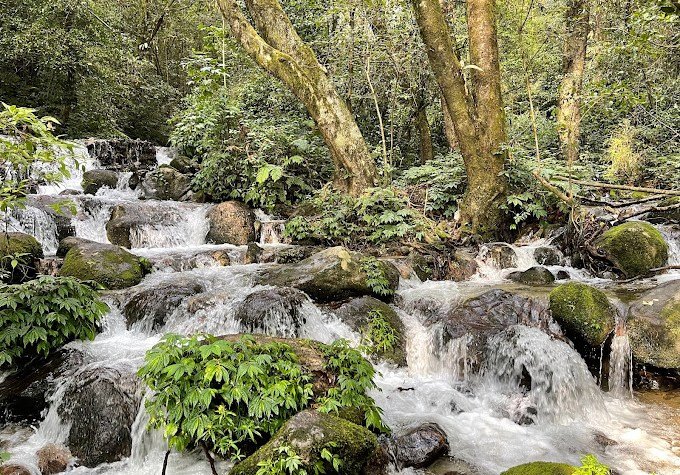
{"points": [[634, 247], [21, 245], [541, 468], [583, 311]]}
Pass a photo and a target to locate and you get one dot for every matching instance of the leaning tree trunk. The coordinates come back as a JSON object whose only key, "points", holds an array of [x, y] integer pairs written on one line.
{"points": [[573, 65], [478, 117], [278, 49]]}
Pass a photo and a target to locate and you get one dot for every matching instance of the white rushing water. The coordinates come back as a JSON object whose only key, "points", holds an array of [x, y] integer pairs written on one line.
{"points": [[533, 398]]}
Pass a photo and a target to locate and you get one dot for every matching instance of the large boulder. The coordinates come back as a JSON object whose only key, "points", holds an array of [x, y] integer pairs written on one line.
{"points": [[53, 459], [93, 180], [231, 222], [308, 433], [584, 312], [335, 274], [275, 312], [654, 327], [536, 275], [541, 468], [420, 446], [111, 266], [165, 183], [23, 248], [184, 164], [100, 404], [359, 313], [633, 248]]}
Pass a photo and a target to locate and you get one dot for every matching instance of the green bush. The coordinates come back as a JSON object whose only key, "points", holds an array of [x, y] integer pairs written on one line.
{"points": [[378, 335], [41, 315], [231, 396]]}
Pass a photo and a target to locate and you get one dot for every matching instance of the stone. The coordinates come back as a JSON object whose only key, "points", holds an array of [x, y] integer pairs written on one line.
{"points": [[53, 459], [420, 446], [548, 256], [541, 468], [94, 180], [536, 275], [462, 266], [667, 210], [253, 253], [231, 222], [295, 254], [584, 312], [184, 165], [67, 243], [563, 275], [502, 255], [164, 183], [654, 326], [109, 265], [26, 250], [14, 469], [60, 210], [275, 312], [633, 248]]}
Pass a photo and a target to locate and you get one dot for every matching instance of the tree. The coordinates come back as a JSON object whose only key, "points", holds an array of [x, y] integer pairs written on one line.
{"points": [[475, 106], [276, 46], [573, 66]]}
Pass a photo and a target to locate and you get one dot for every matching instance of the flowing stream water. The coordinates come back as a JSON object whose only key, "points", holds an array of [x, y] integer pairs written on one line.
{"points": [[479, 410]]}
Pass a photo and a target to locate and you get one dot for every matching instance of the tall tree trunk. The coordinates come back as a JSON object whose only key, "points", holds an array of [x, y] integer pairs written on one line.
{"points": [[277, 48], [478, 117], [573, 66], [449, 128], [426, 151]]}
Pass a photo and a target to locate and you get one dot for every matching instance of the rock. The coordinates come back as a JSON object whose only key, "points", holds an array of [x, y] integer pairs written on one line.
{"points": [[253, 253], [111, 266], [502, 255], [184, 165], [541, 468], [60, 210], [584, 312], [420, 446], [26, 250], [359, 312], [333, 274], [93, 180], [53, 459], [295, 254], [123, 154], [68, 192], [563, 275], [462, 266], [231, 222], [164, 183], [153, 305], [101, 403], [67, 243], [654, 326], [536, 275], [548, 256], [633, 248], [274, 312], [308, 432], [14, 469]]}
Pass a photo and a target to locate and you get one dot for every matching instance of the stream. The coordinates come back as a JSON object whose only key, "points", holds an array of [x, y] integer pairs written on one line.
{"points": [[478, 409]]}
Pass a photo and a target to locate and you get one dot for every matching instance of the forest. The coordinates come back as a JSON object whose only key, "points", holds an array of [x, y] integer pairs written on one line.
{"points": [[306, 237]]}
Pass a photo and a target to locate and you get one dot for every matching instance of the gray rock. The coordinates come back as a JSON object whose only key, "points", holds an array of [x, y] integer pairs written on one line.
{"points": [[93, 180], [420, 446], [231, 222], [275, 312], [165, 183], [533, 276], [502, 255], [548, 256]]}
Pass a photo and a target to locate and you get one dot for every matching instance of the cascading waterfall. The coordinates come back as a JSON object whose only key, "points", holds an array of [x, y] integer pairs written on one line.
{"points": [[38, 223]]}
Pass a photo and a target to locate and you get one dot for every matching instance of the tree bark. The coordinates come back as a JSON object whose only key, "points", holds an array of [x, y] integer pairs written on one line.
{"points": [[577, 19], [277, 48], [449, 129], [478, 116], [426, 150]]}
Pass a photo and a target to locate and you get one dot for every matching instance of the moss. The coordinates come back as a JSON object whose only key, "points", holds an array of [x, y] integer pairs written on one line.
{"points": [[19, 243], [24, 247], [583, 311], [541, 468], [110, 266], [634, 247]]}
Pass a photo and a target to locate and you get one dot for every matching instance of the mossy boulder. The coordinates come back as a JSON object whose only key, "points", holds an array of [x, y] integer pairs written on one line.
{"points": [[541, 468], [165, 183], [654, 327], [633, 248], [336, 274], [93, 180], [536, 275], [584, 312], [308, 433], [358, 315], [26, 250], [111, 266]]}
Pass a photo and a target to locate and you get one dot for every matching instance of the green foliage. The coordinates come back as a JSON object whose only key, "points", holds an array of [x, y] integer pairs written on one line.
{"points": [[379, 216], [43, 314], [4, 457], [378, 335], [591, 466], [626, 162], [287, 462], [233, 395], [376, 280]]}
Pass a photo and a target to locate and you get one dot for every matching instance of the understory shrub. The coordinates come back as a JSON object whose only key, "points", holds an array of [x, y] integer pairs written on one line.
{"points": [[41, 315], [232, 396]]}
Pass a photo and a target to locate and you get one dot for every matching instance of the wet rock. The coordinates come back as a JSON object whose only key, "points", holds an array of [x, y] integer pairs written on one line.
{"points": [[69, 192], [231, 222], [23, 394], [184, 165], [452, 466], [101, 404], [502, 255], [14, 469], [60, 210], [123, 154], [536, 275], [334, 274], [541, 468], [654, 327], [253, 253], [295, 254], [67, 243], [165, 183], [111, 266], [633, 248], [308, 432], [548, 256], [26, 250], [53, 459], [93, 180], [420, 446], [584, 312], [358, 315], [563, 275], [462, 266], [153, 305], [275, 312]]}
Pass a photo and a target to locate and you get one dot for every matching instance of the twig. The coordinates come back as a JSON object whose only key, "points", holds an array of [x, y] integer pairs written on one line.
{"points": [[210, 458], [594, 184], [165, 462], [553, 189]]}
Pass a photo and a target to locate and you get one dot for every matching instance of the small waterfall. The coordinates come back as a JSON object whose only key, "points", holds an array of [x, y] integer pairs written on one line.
{"points": [[271, 230], [164, 155], [428, 353], [522, 259], [39, 224], [81, 162], [90, 222], [181, 226]]}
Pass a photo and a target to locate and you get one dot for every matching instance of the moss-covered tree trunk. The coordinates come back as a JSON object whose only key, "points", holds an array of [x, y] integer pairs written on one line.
{"points": [[276, 46], [476, 110], [577, 19], [426, 151]]}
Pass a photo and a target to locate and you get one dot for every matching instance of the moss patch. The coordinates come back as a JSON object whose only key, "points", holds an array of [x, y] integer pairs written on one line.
{"points": [[634, 247], [24, 246], [111, 266], [583, 311], [541, 468]]}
